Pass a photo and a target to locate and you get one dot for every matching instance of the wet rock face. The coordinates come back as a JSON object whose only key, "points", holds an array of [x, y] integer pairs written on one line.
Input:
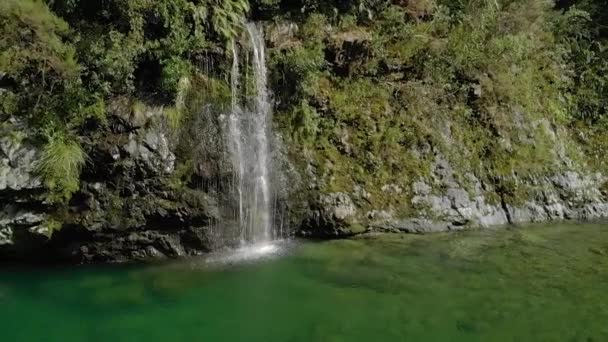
{"points": [[22, 231], [564, 196], [125, 209], [332, 215], [123, 246], [444, 203], [567, 196], [151, 148], [17, 164], [23, 216], [129, 210], [454, 207]]}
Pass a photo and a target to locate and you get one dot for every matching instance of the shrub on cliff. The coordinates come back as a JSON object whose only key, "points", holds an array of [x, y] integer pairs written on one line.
{"points": [[38, 67], [61, 60], [483, 83], [363, 86]]}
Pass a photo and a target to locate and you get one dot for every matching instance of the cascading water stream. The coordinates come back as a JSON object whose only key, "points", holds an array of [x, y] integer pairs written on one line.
{"points": [[234, 134], [261, 122], [248, 143]]}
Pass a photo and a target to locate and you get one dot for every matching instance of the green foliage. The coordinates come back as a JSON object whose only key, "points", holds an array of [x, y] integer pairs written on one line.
{"points": [[60, 165], [183, 172], [52, 225], [594, 141], [138, 109], [61, 60], [297, 71], [228, 16], [129, 45], [175, 70], [369, 91], [33, 36], [489, 85], [174, 117], [583, 34], [305, 122], [205, 91], [38, 68]]}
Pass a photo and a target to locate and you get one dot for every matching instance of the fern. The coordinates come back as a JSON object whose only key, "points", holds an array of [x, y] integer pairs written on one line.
{"points": [[228, 16]]}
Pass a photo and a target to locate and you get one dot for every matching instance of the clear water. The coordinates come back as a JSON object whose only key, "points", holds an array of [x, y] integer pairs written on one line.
{"points": [[546, 283]]}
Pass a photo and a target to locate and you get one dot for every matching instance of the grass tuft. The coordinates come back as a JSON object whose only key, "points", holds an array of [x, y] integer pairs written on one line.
{"points": [[60, 166], [174, 117]]}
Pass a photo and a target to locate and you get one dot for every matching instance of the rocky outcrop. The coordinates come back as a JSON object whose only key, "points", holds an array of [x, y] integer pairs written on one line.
{"points": [[333, 215], [23, 214], [17, 163], [127, 208], [21, 230], [456, 208], [445, 204]]}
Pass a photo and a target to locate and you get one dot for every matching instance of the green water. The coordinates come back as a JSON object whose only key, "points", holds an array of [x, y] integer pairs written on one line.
{"points": [[546, 283]]}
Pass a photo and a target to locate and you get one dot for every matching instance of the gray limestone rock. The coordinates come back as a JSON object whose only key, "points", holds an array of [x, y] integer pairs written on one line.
{"points": [[6, 236], [17, 165], [332, 215], [337, 206], [415, 226], [445, 204], [151, 148]]}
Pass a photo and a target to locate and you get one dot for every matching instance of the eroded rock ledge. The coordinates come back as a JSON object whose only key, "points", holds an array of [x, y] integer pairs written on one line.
{"points": [[447, 205], [128, 208]]}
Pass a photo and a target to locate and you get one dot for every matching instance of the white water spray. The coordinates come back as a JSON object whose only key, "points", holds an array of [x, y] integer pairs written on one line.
{"points": [[248, 142], [235, 136]]}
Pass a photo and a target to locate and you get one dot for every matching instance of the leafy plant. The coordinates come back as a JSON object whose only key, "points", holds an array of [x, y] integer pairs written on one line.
{"points": [[305, 122], [52, 225], [37, 66], [228, 16]]}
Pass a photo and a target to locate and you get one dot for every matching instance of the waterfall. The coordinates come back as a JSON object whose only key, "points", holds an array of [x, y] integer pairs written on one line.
{"points": [[234, 138], [248, 142]]}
